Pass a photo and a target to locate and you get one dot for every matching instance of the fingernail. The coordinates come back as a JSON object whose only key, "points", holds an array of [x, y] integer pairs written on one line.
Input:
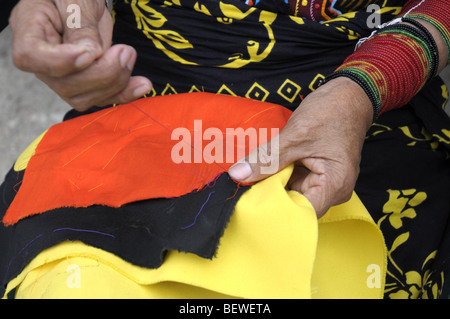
{"points": [[83, 60], [141, 90], [125, 59], [240, 171]]}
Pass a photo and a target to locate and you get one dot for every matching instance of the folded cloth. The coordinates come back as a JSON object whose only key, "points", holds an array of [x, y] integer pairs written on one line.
{"points": [[154, 224]]}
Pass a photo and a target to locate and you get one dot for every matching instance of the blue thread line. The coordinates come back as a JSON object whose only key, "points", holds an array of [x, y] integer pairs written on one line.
{"points": [[12, 259], [195, 220], [86, 231], [40, 235]]}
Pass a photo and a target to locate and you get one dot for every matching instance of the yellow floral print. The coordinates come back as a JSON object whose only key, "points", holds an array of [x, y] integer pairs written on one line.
{"points": [[151, 22], [407, 284], [401, 205], [415, 286]]}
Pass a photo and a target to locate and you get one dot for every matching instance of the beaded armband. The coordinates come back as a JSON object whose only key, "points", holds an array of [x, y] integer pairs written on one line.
{"points": [[393, 65], [437, 13]]}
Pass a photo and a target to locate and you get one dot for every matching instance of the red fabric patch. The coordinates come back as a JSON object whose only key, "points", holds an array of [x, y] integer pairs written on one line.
{"points": [[126, 153]]}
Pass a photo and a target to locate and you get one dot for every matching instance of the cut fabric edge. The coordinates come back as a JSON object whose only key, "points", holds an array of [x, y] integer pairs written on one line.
{"points": [[25, 157], [38, 160], [236, 270], [291, 233], [350, 224]]}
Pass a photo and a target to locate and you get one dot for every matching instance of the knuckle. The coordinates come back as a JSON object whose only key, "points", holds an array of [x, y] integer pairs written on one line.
{"points": [[346, 190], [347, 196], [87, 34], [78, 104], [21, 55], [88, 29]]}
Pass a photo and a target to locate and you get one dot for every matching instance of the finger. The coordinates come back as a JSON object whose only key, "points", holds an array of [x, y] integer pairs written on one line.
{"points": [[104, 83], [135, 89], [36, 56], [111, 72], [87, 24], [264, 161], [105, 28], [37, 44], [297, 178], [323, 184], [316, 195], [81, 21]]}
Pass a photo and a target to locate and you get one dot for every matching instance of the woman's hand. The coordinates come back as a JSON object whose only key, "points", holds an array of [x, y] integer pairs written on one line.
{"points": [[79, 64], [324, 139]]}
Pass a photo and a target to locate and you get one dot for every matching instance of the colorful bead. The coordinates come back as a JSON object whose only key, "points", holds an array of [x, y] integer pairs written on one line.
{"points": [[392, 66]]}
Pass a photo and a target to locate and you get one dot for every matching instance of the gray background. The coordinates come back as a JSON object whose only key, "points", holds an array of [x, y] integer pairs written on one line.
{"points": [[28, 107]]}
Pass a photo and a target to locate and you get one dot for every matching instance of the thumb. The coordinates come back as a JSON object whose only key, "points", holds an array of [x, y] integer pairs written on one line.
{"points": [[263, 162]]}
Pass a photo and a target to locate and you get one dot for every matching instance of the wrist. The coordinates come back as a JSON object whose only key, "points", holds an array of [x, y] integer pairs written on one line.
{"points": [[359, 82], [357, 102]]}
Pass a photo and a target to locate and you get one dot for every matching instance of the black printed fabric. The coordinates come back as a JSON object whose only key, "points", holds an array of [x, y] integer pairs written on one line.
{"points": [[229, 47], [405, 185]]}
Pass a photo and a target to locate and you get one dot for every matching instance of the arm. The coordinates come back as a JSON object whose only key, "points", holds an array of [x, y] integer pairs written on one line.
{"points": [[325, 134], [396, 63]]}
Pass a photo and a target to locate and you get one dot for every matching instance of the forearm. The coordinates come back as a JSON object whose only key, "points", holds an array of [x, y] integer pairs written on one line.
{"points": [[393, 65], [435, 16], [444, 51]]}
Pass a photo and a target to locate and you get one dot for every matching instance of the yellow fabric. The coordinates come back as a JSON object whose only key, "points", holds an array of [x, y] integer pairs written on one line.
{"points": [[22, 161], [273, 247]]}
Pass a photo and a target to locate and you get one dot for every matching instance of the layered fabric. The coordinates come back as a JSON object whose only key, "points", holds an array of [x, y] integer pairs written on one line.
{"points": [[286, 51], [85, 195], [104, 155], [220, 239]]}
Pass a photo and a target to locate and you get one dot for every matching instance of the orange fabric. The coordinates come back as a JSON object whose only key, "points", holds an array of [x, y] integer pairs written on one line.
{"points": [[123, 154]]}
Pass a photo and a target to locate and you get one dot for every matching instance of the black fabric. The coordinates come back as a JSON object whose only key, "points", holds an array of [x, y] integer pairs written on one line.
{"points": [[405, 185], [180, 55], [6, 7], [140, 233]]}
